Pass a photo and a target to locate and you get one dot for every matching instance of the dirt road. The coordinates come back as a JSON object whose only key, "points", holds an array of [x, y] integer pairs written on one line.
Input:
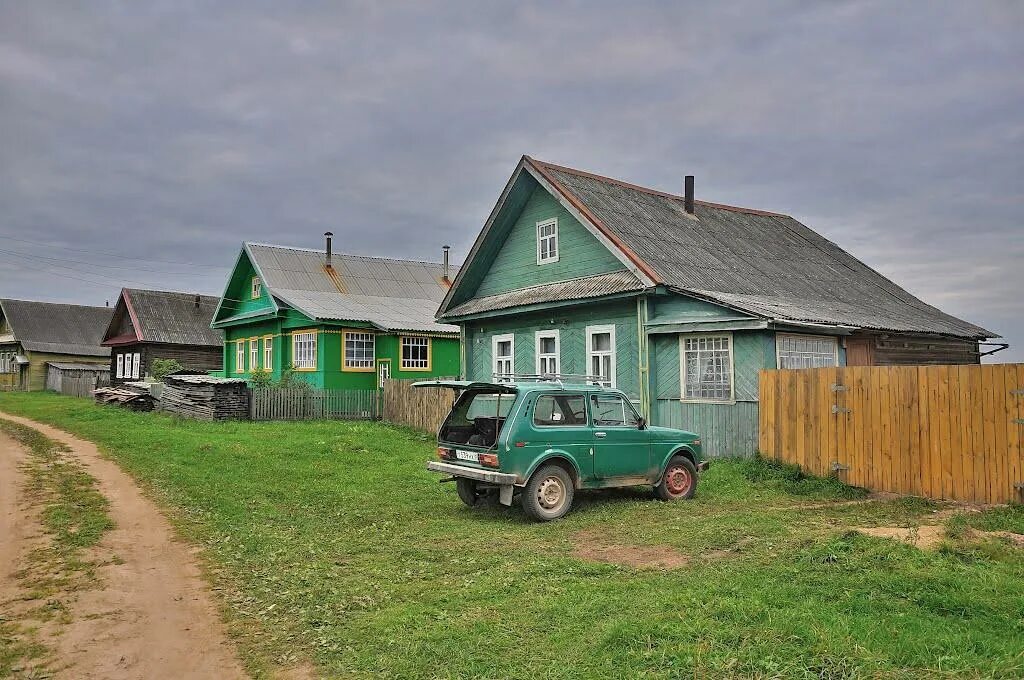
{"points": [[152, 616]]}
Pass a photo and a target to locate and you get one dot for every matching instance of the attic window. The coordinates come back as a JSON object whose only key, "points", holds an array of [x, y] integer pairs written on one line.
{"points": [[257, 288], [547, 241]]}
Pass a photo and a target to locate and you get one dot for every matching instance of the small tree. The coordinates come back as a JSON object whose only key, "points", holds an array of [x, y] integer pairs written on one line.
{"points": [[261, 377], [290, 381], [164, 367]]}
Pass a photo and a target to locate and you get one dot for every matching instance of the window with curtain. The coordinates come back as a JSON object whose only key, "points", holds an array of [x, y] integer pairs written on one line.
{"points": [[707, 367], [304, 350], [806, 351]]}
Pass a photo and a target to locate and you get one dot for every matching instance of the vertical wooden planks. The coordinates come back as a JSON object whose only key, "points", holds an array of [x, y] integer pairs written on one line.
{"points": [[1015, 416]]}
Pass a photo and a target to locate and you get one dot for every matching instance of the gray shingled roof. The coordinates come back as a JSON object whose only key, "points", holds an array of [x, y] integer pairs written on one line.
{"points": [[394, 295], [58, 328], [574, 289], [171, 317], [763, 263]]}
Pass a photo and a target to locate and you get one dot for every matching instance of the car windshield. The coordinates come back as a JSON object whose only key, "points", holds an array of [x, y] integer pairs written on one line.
{"points": [[477, 418]]}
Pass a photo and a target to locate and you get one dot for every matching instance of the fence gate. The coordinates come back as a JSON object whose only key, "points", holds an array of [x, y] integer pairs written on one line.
{"points": [[951, 432]]}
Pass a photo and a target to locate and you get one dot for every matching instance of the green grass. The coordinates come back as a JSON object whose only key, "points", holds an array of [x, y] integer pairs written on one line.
{"points": [[74, 517], [329, 542]]}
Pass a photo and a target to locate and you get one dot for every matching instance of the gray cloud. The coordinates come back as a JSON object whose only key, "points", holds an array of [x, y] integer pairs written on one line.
{"points": [[173, 131]]}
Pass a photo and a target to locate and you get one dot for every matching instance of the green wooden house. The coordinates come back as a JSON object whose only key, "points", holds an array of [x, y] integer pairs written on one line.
{"points": [[335, 320], [678, 302]]}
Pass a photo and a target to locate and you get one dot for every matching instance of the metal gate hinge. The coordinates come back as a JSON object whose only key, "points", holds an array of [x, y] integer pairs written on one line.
{"points": [[837, 388], [836, 408]]}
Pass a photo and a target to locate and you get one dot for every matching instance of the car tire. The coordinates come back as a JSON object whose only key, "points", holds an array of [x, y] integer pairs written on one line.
{"points": [[468, 493], [549, 493], [679, 480]]}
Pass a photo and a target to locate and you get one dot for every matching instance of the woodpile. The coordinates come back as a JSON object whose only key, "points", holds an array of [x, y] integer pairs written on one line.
{"points": [[205, 397], [127, 397]]}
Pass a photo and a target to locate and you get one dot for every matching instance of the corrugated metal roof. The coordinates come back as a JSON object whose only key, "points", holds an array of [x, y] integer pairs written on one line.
{"points": [[394, 295], [759, 262], [65, 366], [174, 318], [574, 289], [58, 328]]}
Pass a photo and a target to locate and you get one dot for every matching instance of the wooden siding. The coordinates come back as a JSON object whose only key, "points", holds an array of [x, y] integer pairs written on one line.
{"points": [[752, 351], [191, 358], [419, 408], [33, 376], [945, 432], [515, 265], [571, 324], [724, 429], [680, 308]]}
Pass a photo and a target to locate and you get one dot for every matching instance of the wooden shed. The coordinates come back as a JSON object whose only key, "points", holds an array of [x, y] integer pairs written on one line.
{"points": [[78, 380]]}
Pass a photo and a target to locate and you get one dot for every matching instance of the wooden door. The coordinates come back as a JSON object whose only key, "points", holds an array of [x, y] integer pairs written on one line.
{"points": [[860, 351]]}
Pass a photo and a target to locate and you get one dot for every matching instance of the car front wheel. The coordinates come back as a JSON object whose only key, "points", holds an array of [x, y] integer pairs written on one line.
{"points": [[548, 494], [679, 480]]}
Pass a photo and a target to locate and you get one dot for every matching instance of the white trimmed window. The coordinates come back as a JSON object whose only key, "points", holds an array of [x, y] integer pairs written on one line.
{"points": [[120, 366], [257, 287], [547, 351], [706, 367], [304, 350], [547, 241], [805, 351], [254, 354], [135, 359], [601, 354], [503, 356], [359, 351], [415, 353], [383, 373], [268, 352], [240, 356]]}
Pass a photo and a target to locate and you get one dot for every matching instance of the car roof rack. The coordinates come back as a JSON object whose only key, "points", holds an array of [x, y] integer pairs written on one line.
{"points": [[559, 378]]}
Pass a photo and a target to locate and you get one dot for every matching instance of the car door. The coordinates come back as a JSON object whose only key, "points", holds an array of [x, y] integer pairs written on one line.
{"points": [[560, 423], [621, 448]]}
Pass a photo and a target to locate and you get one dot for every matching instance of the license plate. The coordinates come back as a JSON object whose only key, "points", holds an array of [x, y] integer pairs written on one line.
{"points": [[467, 455]]}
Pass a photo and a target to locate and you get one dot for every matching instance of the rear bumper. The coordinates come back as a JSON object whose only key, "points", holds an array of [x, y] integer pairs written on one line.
{"points": [[703, 465], [491, 477]]}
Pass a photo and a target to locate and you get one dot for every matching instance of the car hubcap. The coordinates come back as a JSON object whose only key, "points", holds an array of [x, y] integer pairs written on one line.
{"points": [[678, 480], [550, 493]]}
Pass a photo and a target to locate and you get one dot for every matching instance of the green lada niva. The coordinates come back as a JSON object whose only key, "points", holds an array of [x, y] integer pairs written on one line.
{"points": [[541, 440]]}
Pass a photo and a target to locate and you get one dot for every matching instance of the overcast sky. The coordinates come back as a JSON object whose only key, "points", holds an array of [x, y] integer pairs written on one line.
{"points": [[142, 142]]}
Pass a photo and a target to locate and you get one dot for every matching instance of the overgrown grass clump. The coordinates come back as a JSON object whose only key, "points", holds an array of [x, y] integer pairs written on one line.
{"points": [[330, 542]]}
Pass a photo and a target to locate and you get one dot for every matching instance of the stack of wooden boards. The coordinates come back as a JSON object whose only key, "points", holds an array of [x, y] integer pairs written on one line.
{"points": [[131, 398], [205, 397]]}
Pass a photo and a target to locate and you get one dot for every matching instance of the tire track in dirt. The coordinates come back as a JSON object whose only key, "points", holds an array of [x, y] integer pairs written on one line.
{"points": [[153, 616]]}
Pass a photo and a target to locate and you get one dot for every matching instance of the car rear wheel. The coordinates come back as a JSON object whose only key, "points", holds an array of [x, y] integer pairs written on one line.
{"points": [[468, 492], [679, 480], [548, 495]]}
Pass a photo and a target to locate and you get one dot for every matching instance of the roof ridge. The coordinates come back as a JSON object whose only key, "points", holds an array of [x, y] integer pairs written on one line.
{"points": [[340, 254], [655, 192], [170, 292], [62, 304]]}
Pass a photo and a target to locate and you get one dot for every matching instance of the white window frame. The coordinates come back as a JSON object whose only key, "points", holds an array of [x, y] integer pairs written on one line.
{"points": [[254, 354], [556, 357], [683, 337], [383, 373], [135, 365], [257, 288], [365, 364], [553, 237], [414, 341], [597, 330], [801, 336], [120, 366], [239, 356], [304, 364], [268, 352], [511, 358]]}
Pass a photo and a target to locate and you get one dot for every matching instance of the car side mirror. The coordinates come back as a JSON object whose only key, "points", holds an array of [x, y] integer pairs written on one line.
{"points": [[641, 423]]}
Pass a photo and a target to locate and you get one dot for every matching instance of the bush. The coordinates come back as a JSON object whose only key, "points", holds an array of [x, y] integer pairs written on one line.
{"points": [[261, 377], [164, 367], [290, 381]]}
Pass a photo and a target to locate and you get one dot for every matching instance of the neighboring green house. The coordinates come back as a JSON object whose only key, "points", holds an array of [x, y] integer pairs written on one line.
{"points": [[335, 320], [679, 303]]}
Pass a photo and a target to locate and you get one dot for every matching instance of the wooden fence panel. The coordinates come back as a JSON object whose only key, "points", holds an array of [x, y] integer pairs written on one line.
{"points": [[948, 432], [309, 404], [422, 408]]}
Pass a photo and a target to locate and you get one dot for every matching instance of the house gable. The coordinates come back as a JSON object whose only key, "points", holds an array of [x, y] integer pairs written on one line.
{"points": [[237, 300], [514, 265]]}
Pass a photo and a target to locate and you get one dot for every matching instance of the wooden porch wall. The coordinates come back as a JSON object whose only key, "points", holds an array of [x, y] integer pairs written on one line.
{"points": [[419, 408], [944, 432]]}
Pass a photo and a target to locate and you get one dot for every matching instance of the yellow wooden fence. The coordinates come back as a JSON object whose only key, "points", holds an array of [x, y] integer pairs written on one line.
{"points": [[944, 432]]}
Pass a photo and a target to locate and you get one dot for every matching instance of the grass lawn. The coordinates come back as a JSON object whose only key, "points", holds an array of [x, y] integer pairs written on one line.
{"points": [[331, 543]]}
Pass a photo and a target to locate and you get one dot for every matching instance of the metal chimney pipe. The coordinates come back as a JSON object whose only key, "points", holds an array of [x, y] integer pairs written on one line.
{"points": [[198, 299], [688, 194], [445, 260], [328, 235]]}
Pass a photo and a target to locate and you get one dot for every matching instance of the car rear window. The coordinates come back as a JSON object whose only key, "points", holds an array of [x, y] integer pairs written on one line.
{"points": [[560, 409]]}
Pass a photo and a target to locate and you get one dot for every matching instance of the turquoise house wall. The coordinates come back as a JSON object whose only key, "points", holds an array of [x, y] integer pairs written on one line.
{"points": [[515, 265]]}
